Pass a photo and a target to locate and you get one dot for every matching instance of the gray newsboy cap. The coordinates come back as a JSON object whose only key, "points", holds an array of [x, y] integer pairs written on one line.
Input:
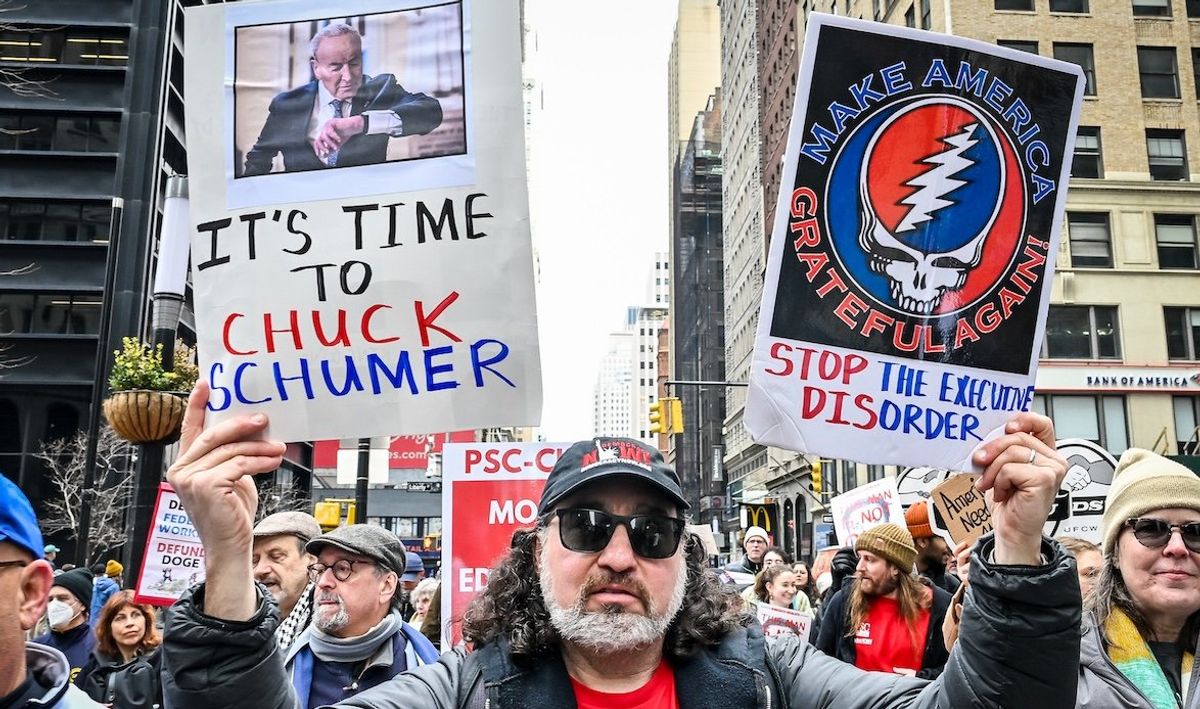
{"points": [[365, 540], [297, 524]]}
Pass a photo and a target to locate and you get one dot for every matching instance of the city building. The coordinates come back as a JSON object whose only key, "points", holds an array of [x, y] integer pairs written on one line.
{"points": [[612, 396]]}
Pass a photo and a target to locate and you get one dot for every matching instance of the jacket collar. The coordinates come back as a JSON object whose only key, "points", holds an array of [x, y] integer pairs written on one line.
{"points": [[50, 668]]}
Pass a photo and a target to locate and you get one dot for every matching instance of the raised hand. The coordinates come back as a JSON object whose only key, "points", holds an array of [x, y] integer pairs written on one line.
{"points": [[1023, 470], [212, 477]]}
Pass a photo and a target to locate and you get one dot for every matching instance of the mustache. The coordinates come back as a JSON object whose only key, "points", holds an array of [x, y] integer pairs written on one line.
{"points": [[323, 596], [595, 582]]}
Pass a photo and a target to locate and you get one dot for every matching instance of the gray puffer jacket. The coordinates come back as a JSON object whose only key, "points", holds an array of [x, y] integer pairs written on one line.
{"points": [[1101, 684], [1019, 647], [50, 668]]}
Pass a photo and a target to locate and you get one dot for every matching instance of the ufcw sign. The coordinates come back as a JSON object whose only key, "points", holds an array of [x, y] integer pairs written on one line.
{"points": [[765, 515]]}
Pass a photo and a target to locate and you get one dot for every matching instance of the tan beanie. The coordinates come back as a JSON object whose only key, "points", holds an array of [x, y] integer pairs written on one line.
{"points": [[1143, 482], [892, 542]]}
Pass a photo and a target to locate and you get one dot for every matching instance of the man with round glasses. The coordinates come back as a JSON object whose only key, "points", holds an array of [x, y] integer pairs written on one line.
{"points": [[606, 602]]}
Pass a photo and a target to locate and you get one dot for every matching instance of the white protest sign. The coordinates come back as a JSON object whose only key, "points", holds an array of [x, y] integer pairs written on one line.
{"points": [[783, 621], [1079, 507], [361, 256], [913, 247], [173, 560], [864, 507]]}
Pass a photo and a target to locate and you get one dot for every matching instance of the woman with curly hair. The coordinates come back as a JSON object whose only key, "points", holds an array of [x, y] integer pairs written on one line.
{"points": [[123, 671]]}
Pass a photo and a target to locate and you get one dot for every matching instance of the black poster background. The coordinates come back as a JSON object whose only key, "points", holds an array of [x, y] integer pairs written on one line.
{"points": [[844, 57]]}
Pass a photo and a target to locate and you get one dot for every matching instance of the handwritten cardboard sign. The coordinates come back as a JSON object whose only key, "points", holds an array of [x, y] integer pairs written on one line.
{"points": [[865, 506], [963, 510], [361, 264], [913, 245], [783, 621]]}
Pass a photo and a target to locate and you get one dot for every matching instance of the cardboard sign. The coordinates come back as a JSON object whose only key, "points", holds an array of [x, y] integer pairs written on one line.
{"points": [[913, 246], [174, 558], [489, 490], [864, 507], [963, 510], [783, 621], [361, 257]]}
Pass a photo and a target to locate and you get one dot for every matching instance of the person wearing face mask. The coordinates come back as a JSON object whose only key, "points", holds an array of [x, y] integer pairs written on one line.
{"points": [[70, 633]]}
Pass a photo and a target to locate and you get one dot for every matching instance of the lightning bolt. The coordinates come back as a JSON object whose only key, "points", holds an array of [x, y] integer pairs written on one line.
{"points": [[934, 184]]}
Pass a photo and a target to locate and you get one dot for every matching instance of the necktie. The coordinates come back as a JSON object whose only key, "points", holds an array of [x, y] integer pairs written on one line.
{"points": [[331, 158]]}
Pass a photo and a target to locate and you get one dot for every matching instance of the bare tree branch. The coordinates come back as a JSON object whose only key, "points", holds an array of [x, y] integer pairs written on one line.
{"points": [[276, 498]]}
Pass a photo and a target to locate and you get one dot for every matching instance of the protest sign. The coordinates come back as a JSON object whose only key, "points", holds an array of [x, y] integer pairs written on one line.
{"points": [[962, 511], [783, 621], [361, 256], [1079, 506], [864, 507], [913, 244], [174, 558], [489, 490]]}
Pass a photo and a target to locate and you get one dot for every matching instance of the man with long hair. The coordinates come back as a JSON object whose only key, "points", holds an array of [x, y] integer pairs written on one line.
{"points": [[887, 621], [607, 602]]}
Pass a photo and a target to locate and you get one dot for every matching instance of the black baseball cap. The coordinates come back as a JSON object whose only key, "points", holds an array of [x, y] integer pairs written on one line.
{"points": [[587, 461]]}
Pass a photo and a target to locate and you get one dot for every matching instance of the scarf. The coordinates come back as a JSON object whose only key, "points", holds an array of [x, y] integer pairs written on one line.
{"points": [[330, 649], [296, 621], [1132, 656]]}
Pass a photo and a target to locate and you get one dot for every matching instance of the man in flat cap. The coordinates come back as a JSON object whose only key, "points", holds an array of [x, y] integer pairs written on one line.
{"points": [[281, 564]]}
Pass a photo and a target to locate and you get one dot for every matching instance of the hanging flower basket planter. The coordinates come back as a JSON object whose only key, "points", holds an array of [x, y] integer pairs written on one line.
{"points": [[144, 416]]}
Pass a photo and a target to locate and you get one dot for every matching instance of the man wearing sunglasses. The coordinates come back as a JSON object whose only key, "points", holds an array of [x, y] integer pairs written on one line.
{"points": [[605, 602]]}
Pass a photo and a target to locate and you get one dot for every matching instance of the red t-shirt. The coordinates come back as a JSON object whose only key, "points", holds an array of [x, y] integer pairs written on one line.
{"points": [[883, 642], [658, 693]]}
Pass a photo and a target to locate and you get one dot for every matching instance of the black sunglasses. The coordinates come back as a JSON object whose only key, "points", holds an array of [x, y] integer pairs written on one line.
{"points": [[1155, 533], [589, 531]]}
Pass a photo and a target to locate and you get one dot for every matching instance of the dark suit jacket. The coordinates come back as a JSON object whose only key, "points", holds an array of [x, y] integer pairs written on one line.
{"points": [[286, 129]]}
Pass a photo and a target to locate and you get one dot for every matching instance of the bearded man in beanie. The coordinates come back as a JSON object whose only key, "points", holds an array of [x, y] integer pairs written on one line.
{"points": [[932, 550], [607, 601], [887, 621], [67, 611]]}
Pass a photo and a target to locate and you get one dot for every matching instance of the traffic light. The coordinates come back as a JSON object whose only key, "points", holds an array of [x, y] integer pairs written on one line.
{"points": [[658, 423], [816, 476], [676, 416]]}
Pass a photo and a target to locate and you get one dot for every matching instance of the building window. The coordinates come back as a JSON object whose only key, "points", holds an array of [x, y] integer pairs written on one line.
{"points": [[1021, 45], [1152, 8], [1068, 5], [875, 472], [54, 221], [41, 131], [1099, 419], [1080, 54], [849, 474], [1175, 235], [1187, 418], [1158, 73], [1082, 332], [1166, 153], [1183, 333], [1087, 161], [1091, 243], [1014, 5], [1193, 8], [1196, 70], [926, 18], [910, 17], [66, 46], [26, 313]]}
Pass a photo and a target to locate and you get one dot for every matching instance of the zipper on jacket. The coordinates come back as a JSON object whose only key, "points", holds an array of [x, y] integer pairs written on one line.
{"points": [[767, 692]]}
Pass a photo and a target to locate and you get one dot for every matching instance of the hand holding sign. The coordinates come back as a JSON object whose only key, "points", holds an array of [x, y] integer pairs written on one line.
{"points": [[212, 476], [1023, 470]]}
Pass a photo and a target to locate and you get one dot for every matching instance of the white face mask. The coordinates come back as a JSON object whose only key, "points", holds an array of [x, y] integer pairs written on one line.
{"points": [[60, 613]]}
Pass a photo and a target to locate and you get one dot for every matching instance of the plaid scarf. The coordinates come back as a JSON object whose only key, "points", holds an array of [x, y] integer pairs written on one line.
{"points": [[1132, 656], [297, 620]]}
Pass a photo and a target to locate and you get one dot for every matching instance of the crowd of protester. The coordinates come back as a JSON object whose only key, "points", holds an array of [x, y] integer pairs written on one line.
{"points": [[349, 617]]}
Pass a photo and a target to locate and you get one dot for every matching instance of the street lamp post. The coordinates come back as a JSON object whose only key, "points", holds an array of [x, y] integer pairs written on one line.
{"points": [[170, 283]]}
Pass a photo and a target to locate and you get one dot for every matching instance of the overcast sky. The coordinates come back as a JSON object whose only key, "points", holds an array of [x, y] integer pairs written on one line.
{"points": [[598, 183]]}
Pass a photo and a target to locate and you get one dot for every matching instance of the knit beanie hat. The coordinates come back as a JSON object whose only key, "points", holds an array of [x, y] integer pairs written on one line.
{"points": [[1143, 482], [890, 541], [78, 582], [113, 569], [917, 519]]}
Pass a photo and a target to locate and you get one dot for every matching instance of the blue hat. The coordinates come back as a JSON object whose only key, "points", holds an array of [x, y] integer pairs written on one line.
{"points": [[18, 523], [414, 568]]}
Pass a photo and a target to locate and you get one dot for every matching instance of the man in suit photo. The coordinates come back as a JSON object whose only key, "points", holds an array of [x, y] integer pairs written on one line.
{"points": [[342, 117]]}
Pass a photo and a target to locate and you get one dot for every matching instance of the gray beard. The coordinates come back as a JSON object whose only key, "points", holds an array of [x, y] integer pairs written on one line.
{"points": [[330, 623], [612, 629]]}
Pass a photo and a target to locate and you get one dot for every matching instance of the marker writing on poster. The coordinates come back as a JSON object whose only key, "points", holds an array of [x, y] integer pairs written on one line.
{"points": [[966, 79]]}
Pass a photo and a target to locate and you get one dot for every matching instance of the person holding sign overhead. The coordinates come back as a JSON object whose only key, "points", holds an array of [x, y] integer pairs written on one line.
{"points": [[605, 601]]}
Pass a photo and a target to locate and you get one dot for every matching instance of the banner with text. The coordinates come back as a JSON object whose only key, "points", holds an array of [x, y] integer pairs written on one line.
{"points": [[865, 506], [361, 257], [913, 245], [404, 452], [174, 557], [489, 490], [778, 622]]}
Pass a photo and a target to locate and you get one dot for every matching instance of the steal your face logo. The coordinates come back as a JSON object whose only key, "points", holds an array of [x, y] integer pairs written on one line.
{"points": [[926, 206]]}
